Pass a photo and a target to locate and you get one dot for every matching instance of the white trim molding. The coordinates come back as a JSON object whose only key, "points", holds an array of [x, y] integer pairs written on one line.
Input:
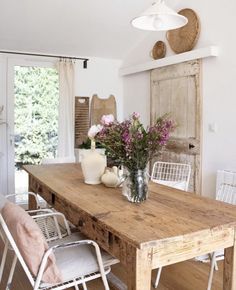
{"points": [[205, 52]]}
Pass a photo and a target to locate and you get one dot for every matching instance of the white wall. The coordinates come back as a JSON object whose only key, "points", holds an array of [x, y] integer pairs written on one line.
{"points": [[137, 96], [101, 78], [218, 24]]}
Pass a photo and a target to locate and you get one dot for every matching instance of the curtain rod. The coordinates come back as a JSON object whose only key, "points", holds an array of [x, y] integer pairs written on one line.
{"points": [[85, 60]]}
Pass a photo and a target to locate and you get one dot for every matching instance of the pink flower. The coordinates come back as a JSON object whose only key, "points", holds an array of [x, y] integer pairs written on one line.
{"points": [[107, 119], [126, 137], [135, 116]]}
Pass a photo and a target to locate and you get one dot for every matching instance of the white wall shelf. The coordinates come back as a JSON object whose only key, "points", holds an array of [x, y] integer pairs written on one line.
{"points": [[173, 59]]}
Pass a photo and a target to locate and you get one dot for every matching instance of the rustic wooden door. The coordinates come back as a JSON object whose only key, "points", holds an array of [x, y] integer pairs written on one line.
{"points": [[175, 89]]}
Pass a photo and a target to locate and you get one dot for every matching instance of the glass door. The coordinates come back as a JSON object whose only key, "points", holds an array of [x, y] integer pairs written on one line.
{"points": [[33, 118]]}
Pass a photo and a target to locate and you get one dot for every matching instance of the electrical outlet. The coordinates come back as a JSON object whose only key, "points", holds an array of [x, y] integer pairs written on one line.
{"points": [[213, 128]]}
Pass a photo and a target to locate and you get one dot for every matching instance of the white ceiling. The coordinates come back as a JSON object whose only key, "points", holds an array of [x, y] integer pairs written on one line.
{"points": [[98, 28]]}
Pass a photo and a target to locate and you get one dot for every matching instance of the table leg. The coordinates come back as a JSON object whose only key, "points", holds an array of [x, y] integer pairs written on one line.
{"points": [[139, 269], [229, 279], [32, 202]]}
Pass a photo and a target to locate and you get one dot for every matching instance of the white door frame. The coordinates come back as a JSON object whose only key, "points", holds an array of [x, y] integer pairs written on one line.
{"points": [[11, 63], [3, 126]]}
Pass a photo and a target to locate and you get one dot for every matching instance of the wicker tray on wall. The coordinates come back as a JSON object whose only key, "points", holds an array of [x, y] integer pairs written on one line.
{"points": [[81, 120], [185, 38], [159, 50]]}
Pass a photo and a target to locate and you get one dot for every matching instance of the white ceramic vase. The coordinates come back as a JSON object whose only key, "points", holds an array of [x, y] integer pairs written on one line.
{"points": [[81, 153], [93, 166]]}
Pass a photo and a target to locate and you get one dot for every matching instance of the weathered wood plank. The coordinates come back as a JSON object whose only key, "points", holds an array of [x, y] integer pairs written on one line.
{"points": [[139, 269], [188, 68], [186, 248], [229, 277]]}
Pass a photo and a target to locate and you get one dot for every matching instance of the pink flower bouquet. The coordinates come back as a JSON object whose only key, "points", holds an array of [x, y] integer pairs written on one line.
{"points": [[134, 146]]}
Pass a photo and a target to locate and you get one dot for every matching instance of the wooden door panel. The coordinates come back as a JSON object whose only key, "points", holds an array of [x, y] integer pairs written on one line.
{"points": [[188, 146], [192, 108], [176, 90], [178, 100], [165, 92]]}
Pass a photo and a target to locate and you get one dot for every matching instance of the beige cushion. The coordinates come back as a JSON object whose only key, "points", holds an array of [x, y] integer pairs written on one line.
{"points": [[79, 260], [30, 242]]}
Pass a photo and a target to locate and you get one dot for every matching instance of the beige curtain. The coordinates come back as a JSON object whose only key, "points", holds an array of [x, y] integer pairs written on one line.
{"points": [[66, 69]]}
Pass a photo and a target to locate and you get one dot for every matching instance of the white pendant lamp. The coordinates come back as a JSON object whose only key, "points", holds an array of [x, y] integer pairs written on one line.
{"points": [[159, 17]]}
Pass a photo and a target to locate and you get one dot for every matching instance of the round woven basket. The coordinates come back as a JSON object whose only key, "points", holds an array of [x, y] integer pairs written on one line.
{"points": [[159, 50], [185, 38]]}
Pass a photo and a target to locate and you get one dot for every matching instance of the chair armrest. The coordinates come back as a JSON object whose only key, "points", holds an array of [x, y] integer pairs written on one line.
{"points": [[40, 210], [65, 246]]}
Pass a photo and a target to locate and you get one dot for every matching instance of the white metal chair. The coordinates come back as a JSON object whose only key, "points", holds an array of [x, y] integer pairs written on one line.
{"points": [[225, 176], [11, 197], [71, 251], [49, 226], [40, 209], [226, 193], [52, 230], [176, 175]]}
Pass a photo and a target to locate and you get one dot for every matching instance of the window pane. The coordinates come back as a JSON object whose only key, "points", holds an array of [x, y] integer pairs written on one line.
{"points": [[36, 118]]}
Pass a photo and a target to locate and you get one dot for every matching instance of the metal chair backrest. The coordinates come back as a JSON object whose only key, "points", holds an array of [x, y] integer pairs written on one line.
{"points": [[53, 224], [227, 193], [14, 247], [225, 176], [175, 175], [25, 196]]}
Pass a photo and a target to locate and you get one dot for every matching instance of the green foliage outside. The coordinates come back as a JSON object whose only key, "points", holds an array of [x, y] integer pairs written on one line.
{"points": [[36, 114]]}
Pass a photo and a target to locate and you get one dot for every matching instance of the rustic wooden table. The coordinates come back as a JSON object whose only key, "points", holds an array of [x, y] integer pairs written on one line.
{"points": [[170, 227]]}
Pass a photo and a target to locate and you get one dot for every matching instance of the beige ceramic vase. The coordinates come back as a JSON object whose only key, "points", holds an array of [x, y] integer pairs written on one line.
{"points": [[93, 166]]}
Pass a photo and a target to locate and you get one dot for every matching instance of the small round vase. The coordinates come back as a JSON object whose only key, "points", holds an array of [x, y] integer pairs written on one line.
{"points": [[135, 186], [93, 166]]}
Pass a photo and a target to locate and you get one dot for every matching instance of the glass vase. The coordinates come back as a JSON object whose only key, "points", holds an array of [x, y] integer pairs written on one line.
{"points": [[135, 186]]}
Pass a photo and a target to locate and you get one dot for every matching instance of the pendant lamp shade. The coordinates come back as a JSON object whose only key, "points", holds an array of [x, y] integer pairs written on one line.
{"points": [[159, 17]]}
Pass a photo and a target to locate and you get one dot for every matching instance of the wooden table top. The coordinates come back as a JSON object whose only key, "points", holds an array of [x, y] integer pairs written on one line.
{"points": [[167, 214]]}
